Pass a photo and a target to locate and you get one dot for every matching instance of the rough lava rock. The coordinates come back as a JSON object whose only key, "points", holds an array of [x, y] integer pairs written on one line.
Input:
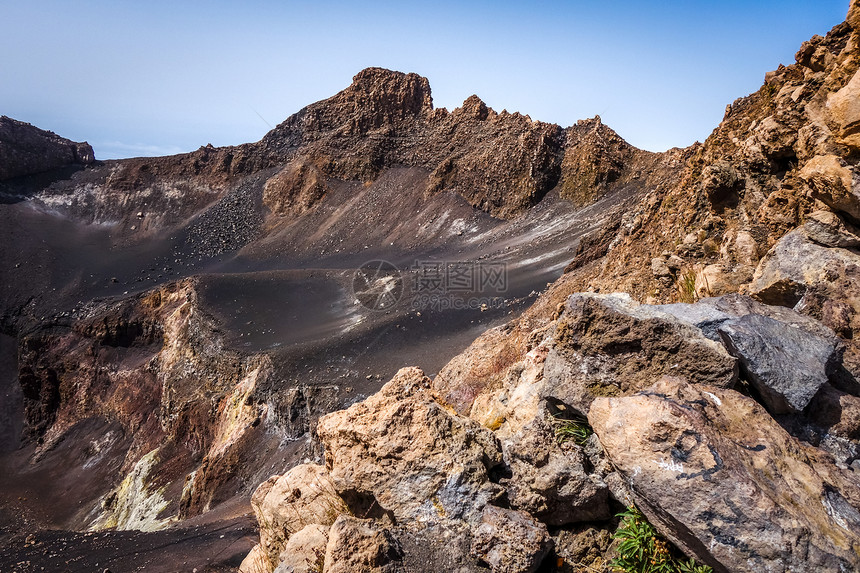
{"points": [[618, 344], [549, 480], [361, 546], [510, 541], [833, 183], [304, 551], [786, 365], [708, 314], [828, 229], [286, 504], [401, 451], [709, 211], [795, 264], [716, 474]]}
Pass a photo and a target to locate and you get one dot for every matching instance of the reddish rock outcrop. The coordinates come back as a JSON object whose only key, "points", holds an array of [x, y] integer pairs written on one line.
{"points": [[183, 405]]}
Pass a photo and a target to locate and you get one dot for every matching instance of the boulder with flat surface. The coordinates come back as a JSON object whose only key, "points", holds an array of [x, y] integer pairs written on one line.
{"points": [[786, 365], [727, 484]]}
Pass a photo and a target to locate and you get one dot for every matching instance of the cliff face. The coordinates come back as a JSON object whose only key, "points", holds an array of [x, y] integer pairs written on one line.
{"points": [[778, 155], [26, 150], [155, 370]]}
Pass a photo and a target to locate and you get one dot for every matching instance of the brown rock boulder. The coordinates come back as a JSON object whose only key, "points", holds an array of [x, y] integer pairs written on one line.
{"points": [[401, 451], [720, 182], [467, 375], [305, 550], [793, 265], [256, 561], [844, 111], [510, 541], [717, 475], [833, 183], [286, 504], [838, 412], [361, 546]]}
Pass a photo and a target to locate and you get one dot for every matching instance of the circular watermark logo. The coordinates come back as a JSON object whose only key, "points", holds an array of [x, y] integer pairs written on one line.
{"points": [[377, 285]]}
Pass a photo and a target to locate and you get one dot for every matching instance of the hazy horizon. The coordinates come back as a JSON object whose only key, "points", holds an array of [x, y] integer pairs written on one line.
{"points": [[159, 79]]}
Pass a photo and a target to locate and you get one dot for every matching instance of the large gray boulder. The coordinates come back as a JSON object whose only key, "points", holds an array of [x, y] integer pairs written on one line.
{"points": [[611, 344], [830, 230], [829, 178], [709, 313], [794, 264], [785, 364]]}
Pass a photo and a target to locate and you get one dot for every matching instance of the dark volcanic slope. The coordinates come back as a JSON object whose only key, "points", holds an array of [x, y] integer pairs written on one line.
{"points": [[181, 322]]}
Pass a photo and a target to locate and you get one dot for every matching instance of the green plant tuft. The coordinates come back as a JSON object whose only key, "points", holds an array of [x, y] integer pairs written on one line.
{"points": [[576, 430], [644, 550], [687, 286]]}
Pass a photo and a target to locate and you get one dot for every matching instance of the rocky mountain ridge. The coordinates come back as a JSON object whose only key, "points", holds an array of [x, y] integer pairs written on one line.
{"points": [[501, 163], [130, 372]]}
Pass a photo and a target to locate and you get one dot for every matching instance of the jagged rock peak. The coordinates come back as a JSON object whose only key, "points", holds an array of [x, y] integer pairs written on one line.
{"points": [[377, 98], [409, 93], [26, 149], [407, 88], [475, 107]]}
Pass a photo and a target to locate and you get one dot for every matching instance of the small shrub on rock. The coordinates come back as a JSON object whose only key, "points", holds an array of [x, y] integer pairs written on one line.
{"points": [[644, 550]]}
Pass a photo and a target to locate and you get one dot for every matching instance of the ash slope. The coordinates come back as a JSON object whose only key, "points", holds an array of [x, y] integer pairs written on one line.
{"points": [[175, 326]]}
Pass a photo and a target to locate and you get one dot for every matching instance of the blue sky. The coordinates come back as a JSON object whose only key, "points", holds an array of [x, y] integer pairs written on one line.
{"points": [[165, 77]]}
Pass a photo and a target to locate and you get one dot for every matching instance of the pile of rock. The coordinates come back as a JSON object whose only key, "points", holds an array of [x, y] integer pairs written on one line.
{"points": [[694, 407]]}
